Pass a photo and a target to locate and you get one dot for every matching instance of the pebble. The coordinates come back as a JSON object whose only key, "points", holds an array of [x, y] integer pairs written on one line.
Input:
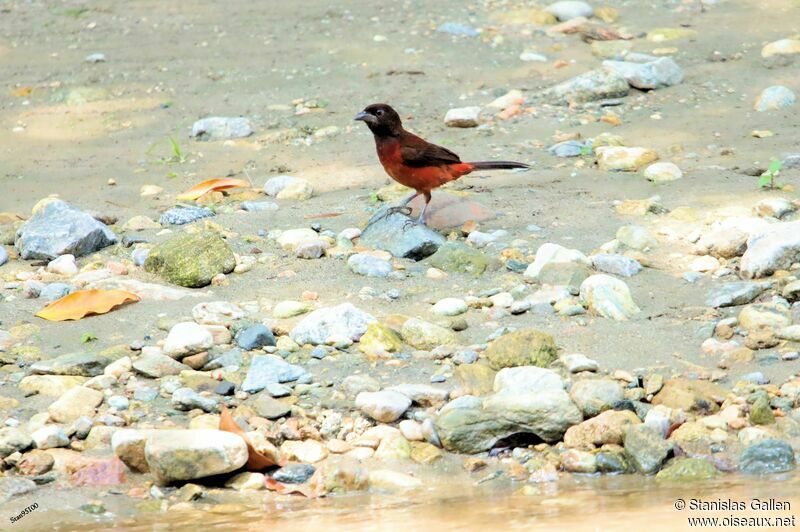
{"points": [[450, 306], [463, 117], [774, 98], [570, 9], [568, 148], [54, 291], [369, 265], [221, 128], [266, 369], [341, 321], [258, 206], [656, 74], [384, 406], [294, 473], [63, 265], [254, 337], [454, 28], [3, 255], [577, 363], [188, 399], [624, 159], [187, 338], [288, 187], [183, 215], [616, 264], [662, 172], [781, 47], [96, 57], [608, 297], [50, 437]]}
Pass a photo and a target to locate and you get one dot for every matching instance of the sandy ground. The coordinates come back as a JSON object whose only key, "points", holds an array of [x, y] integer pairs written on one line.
{"points": [[171, 63]]}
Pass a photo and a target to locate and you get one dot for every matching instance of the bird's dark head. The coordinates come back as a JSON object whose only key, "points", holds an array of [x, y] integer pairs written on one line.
{"points": [[381, 119]]}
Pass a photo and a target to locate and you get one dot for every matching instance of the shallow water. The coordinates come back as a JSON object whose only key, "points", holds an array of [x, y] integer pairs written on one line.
{"points": [[576, 503]]}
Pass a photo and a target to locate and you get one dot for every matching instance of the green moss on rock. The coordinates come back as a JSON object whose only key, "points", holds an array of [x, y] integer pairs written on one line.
{"points": [[191, 260]]}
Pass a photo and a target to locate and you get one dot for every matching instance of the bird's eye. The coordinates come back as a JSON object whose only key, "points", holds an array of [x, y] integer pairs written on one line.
{"points": [[379, 112]]}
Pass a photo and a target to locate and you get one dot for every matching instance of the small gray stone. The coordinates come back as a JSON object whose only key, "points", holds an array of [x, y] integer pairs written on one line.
{"points": [[255, 337], [258, 206], [368, 265], [233, 357], [596, 395], [118, 402], [54, 291], [13, 440], [3, 255], [774, 98], [188, 399], [221, 128], [156, 365], [294, 473], [276, 389], [616, 264], [663, 72], [11, 487], [50, 437], [270, 408], [265, 369], [568, 148], [577, 362], [454, 28], [182, 215], [734, 294]]}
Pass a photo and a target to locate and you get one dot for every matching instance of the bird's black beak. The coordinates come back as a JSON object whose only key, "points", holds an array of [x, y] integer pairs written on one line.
{"points": [[365, 117]]}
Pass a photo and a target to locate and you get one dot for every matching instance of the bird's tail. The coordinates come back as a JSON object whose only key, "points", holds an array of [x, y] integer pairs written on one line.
{"points": [[498, 165]]}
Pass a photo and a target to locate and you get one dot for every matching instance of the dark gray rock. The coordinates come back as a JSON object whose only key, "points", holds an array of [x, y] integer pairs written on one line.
{"points": [[60, 229], [254, 337], [294, 473], [182, 215], [767, 456], [395, 234], [225, 388]]}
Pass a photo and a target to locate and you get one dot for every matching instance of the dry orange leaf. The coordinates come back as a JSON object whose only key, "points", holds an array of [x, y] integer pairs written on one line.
{"points": [[212, 184], [83, 303], [283, 489], [21, 92], [255, 460]]}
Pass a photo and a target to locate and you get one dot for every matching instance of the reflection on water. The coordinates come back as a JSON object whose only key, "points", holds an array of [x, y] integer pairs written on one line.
{"points": [[576, 503]]}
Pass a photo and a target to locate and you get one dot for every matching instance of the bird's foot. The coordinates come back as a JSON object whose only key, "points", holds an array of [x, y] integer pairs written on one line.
{"points": [[400, 209], [411, 223]]}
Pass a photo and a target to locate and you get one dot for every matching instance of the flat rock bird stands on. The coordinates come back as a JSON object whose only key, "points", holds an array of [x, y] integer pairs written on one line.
{"points": [[414, 162]]}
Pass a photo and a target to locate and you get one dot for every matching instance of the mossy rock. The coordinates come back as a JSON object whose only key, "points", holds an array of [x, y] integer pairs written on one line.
{"points": [[525, 347], [458, 257], [191, 260], [683, 469]]}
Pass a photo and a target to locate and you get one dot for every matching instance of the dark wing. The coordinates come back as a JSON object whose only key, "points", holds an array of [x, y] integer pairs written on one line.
{"points": [[417, 152]]}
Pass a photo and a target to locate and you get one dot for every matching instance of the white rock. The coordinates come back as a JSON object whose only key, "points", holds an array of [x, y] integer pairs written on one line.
{"points": [[636, 237], [293, 238], [463, 117], [623, 158], [50, 437], [411, 430], [187, 338], [661, 172], [341, 321], [703, 264], [450, 306], [728, 238], [775, 249], [781, 47], [63, 265], [385, 479], [774, 207], [527, 379], [553, 253], [575, 363], [289, 309], [178, 455], [384, 406], [608, 297], [570, 9], [307, 451]]}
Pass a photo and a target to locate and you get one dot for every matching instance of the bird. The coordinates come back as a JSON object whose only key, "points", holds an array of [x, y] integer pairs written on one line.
{"points": [[415, 162]]}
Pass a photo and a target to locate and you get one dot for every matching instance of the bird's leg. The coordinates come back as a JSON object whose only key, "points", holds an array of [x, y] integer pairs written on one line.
{"points": [[421, 219], [402, 208]]}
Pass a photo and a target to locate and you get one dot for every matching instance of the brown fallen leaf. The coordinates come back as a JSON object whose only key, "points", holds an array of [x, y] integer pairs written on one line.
{"points": [[212, 184], [293, 489], [323, 215], [21, 92], [83, 303], [255, 460]]}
